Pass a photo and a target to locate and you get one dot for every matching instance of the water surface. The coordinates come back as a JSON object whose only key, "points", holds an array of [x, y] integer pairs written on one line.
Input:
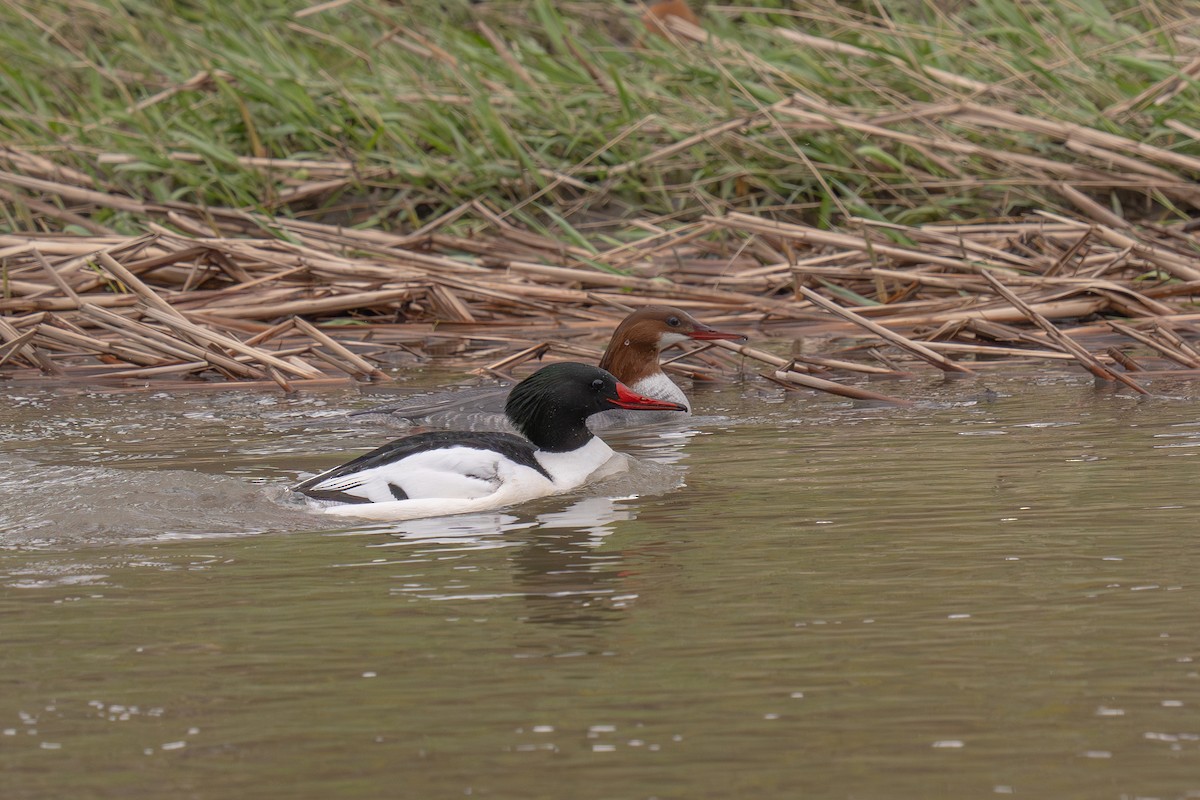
{"points": [[990, 593]]}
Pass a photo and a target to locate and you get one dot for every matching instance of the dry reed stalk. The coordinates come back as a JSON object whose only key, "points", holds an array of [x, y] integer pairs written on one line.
{"points": [[326, 169], [815, 236], [1124, 360], [254, 283], [360, 365], [786, 377], [148, 295], [28, 320], [74, 193], [64, 246], [337, 363], [708, 134], [181, 324], [29, 352], [29, 289], [1129, 164], [1177, 341], [1171, 262], [1063, 309], [448, 304], [529, 239], [173, 348], [1089, 362], [1173, 289], [622, 256], [842, 48], [563, 299], [139, 267], [153, 372], [273, 331], [54, 212], [280, 381], [537, 351], [940, 280], [849, 366], [1157, 93], [1089, 206], [994, 116], [33, 164], [58, 280], [752, 353], [11, 346], [83, 343], [716, 297], [963, 245], [324, 305], [1166, 348], [830, 119], [997, 350], [917, 349]]}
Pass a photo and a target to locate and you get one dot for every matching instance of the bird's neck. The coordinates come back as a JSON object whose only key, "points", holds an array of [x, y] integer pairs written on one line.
{"points": [[631, 361], [554, 433]]}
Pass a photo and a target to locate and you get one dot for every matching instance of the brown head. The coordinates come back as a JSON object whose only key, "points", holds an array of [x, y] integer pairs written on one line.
{"points": [[632, 352]]}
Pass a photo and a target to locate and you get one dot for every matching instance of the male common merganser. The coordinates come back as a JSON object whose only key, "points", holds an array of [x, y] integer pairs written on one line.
{"points": [[454, 472], [632, 357]]}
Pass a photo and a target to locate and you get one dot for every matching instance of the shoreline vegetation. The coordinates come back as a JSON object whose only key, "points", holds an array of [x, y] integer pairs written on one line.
{"points": [[203, 194]]}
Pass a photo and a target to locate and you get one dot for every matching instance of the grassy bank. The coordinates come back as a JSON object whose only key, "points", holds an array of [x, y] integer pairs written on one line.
{"points": [[560, 115], [277, 193]]}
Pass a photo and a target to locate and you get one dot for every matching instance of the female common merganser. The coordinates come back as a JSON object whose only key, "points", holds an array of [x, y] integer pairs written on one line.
{"points": [[454, 472], [632, 357]]}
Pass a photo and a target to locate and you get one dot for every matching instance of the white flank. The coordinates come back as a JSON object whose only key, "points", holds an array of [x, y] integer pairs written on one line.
{"points": [[509, 482]]}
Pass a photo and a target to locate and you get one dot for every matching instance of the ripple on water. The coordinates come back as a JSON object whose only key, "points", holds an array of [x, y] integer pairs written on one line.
{"points": [[837, 602], [82, 504]]}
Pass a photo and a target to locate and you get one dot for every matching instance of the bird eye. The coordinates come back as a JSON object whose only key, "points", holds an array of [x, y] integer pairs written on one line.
{"points": [[598, 384], [673, 322]]}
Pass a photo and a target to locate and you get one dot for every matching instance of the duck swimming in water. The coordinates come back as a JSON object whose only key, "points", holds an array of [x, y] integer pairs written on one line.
{"points": [[633, 353], [455, 472]]}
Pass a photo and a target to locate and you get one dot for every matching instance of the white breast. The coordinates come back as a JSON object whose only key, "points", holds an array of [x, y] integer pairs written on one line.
{"points": [[572, 469]]}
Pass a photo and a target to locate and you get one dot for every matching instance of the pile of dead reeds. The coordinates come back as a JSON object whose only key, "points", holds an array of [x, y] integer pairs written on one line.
{"points": [[211, 293]]}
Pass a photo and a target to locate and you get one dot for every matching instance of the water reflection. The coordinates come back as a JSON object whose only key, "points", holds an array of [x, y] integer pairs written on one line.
{"points": [[564, 574], [558, 562], [557, 558]]}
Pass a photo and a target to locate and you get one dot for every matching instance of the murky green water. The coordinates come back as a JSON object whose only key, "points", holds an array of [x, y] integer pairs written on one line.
{"points": [[988, 594]]}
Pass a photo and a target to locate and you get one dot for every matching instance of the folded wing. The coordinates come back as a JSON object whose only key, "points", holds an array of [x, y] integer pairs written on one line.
{"points": [[459, 465]]}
